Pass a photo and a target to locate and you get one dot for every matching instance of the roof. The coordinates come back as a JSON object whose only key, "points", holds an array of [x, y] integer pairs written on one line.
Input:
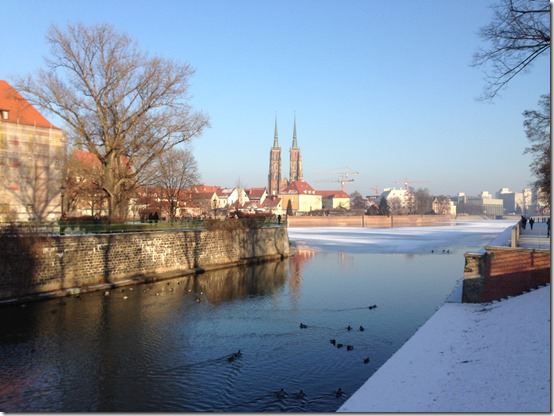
{"points": [[332, 194], [20, 111], [205, 188], [255, 193], [298, 187]]}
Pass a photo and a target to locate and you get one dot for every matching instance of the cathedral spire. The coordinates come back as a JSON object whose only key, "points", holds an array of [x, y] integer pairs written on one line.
{"points": [[276, 135], [294, 143]]}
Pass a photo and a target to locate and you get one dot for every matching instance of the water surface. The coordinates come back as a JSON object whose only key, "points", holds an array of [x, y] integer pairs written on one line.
{"points": [[166, 346]]}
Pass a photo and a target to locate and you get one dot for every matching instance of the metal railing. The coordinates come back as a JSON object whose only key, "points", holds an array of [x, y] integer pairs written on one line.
{"points": [[103, 227]]}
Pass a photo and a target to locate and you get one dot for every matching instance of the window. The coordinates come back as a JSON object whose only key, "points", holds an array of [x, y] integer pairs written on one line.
{"points": [[5, 114]]}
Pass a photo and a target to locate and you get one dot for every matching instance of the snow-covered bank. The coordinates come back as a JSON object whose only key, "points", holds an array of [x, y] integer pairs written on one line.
{"points": [[469, 358]]}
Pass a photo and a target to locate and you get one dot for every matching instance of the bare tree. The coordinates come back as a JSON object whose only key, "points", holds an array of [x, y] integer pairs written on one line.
{"points": [[118, 103], [518, 34], [357, 201], [537, 129], [175, 172], [422, 201]]}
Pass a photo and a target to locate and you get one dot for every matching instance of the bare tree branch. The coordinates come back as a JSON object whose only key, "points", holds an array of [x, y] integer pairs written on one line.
{"points": [[518, 34], [119, 104]]}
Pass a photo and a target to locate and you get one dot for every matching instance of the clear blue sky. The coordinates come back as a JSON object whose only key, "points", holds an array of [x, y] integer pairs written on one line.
{"points": [[384, 88]]}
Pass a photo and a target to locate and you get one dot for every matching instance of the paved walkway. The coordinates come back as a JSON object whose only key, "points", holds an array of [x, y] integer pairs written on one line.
{"points": [[535, 238]]}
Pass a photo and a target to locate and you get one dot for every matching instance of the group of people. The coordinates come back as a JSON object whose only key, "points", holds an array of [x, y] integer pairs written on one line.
{"points": [[524, 220], [153, 217]]}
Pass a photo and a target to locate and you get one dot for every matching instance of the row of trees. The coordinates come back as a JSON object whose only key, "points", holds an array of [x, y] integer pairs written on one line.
{"points": [[418, 202]]}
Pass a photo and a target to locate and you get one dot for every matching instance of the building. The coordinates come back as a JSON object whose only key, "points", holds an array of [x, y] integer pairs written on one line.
{"points": [[276, 183], [397, 199], [32, 153], [334, 199], [295, 158], [274, 179], [482, 204], [303, 198]]}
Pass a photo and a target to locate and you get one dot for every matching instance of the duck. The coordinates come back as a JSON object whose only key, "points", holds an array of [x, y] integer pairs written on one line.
{"points": [[237, 354], [281, 393], [302, 326], [374, 306], [349, 328], [339, 345], [362, 328], [366, 360], [339, 392], [333, 341], [349, 347], [300, 395], [371, 307], [231, 358]]}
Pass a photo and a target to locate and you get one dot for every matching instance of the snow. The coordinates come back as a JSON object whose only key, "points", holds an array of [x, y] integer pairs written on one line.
{"points": [[492, 357]]}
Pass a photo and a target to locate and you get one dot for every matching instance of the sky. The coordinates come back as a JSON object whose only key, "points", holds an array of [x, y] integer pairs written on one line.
{"points": [[381, 88], [478, 358]]}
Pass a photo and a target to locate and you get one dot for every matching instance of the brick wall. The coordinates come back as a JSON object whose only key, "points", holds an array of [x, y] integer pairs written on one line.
{"points": [[500, 272], [42, 264]]}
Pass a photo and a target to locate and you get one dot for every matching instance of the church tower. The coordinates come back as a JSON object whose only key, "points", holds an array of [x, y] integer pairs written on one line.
{"points": [[274, 164], [295, 158]]}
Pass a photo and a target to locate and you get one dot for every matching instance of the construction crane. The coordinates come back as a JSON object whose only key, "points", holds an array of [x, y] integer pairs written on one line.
{"points": [[406, 182], [343, 182], [344, 178], [375, 189]]}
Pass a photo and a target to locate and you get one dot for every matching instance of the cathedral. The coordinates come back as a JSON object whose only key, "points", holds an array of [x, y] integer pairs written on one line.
{"points": [[276, 183]]}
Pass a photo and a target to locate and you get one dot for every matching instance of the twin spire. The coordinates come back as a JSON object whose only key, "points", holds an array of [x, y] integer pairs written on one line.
{"points": [[276, 134], [275, 184]]}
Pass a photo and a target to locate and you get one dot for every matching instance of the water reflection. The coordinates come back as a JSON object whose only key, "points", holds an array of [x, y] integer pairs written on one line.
{"points": [[165, 346]]}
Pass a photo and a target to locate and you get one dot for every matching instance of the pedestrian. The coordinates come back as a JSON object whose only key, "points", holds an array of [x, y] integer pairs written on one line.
{"points": [[548, 227], [279, 219], [531, 222], [523, 222], [150, 217], [156, 217]]}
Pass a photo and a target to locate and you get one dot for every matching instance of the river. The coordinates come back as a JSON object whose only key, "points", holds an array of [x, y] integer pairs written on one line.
{"points": [[173, 346]]}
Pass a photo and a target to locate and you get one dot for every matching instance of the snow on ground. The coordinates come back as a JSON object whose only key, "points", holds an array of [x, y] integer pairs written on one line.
{"points": [[492, 357], [468, 358]]}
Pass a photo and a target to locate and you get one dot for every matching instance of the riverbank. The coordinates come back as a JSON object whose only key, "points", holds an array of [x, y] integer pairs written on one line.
{"points": [[491, 357]]}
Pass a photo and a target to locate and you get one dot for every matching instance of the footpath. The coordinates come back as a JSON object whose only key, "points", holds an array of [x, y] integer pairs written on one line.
{"points": [[491, 357]]}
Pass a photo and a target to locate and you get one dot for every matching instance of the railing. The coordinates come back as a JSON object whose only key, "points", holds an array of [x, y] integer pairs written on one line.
{"points": [[71, 227]]}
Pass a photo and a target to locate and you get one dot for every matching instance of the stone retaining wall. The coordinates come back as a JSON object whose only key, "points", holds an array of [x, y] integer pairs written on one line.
{"points": [[31, 265], [502, 269], [369, 221]]}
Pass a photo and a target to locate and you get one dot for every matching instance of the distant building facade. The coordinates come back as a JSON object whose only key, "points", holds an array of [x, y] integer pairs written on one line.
{"points": [[303, 198], [32, 153]]}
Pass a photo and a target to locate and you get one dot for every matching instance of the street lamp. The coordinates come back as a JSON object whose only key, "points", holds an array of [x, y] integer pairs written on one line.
{"points": [[62, 190]]}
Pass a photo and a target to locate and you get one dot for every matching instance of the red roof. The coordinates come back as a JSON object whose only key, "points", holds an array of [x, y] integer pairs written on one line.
{"points": [[298, 187], [255, 193], [19, 109]]}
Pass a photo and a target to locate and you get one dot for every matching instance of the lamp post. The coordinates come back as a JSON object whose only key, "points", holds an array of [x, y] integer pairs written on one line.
{"points": [[62, 190], [172, 213]]}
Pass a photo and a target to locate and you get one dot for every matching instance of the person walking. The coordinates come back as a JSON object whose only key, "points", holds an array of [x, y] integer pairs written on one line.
{"points": [[531, 222], [548, 227]]}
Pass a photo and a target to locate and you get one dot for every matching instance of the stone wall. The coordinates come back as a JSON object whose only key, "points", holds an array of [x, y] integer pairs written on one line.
{"points": [[369, 221], [35, 264]]}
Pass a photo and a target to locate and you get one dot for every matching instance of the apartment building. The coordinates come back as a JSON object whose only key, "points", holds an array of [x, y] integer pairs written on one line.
{"points": [[32, 152]]}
